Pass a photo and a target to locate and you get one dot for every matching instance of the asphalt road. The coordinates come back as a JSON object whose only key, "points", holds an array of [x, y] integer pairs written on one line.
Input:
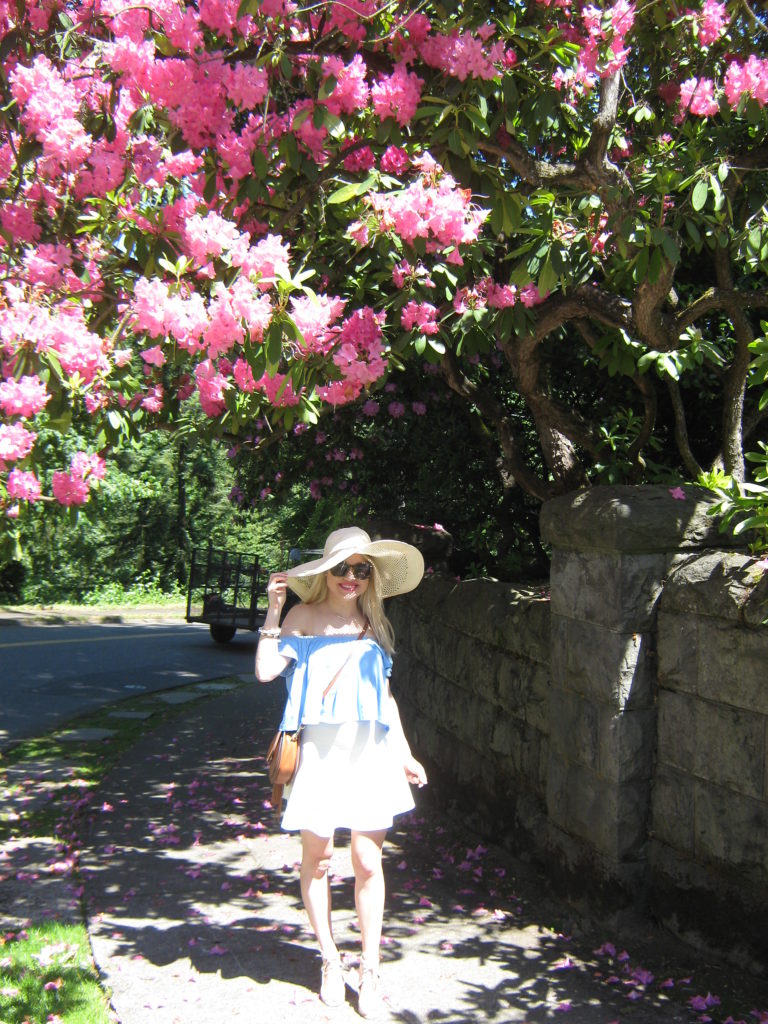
{"points": [[49, 673]]}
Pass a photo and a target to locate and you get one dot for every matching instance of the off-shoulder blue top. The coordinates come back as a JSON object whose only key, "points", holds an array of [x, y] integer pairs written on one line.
{"points": [[358, 695]]}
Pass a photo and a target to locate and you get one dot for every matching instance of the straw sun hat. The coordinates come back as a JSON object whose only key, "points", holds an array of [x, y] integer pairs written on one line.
{"points": [[399, 566]]}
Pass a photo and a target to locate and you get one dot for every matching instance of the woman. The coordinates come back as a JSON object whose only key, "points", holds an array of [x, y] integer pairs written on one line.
{"points": [[335, 651]]}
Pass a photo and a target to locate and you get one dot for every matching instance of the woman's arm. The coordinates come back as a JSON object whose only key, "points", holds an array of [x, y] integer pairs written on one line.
{"points": [[414, 770], [269, 662]]}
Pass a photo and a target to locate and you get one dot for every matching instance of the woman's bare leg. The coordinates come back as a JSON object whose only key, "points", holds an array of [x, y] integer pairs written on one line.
{"points": [[369, 889], [316, 853]]}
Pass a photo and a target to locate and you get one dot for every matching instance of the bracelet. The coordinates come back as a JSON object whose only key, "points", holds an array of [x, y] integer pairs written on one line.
{"points": [[270, 634]]}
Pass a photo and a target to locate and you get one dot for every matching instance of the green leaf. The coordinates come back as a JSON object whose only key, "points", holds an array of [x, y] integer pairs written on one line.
{"points": [[699, 196], [327, 88], [478, 120], [259, 164], [349, 191], [273, 345]]}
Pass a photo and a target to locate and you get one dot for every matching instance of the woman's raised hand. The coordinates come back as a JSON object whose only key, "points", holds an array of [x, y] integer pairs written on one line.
{"points": [[277, 591]]}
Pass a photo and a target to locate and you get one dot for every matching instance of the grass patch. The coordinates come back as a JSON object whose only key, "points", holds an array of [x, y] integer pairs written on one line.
{"points": [[47, 975]]}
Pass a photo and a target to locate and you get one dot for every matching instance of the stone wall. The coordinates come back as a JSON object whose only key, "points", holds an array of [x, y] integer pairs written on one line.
{"points": [[472, 682], [708, 856], [620, 731]]}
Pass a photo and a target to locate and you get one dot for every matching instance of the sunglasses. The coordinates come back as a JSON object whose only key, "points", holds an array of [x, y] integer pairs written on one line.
{"points": [[361, 571]]}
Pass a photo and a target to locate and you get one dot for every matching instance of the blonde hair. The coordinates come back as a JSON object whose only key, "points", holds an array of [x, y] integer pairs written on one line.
{"points": [[371, 605]]}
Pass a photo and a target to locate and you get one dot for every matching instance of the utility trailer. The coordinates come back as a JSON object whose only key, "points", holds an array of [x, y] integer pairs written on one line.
{"points": [[227, 590]]}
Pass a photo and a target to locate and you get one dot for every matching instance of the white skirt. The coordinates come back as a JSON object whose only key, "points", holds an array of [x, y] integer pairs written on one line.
{"points": [[349, 776]]}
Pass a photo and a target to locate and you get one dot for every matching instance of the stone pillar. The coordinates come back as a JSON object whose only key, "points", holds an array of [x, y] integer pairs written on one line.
{"points": [[611, 550]]}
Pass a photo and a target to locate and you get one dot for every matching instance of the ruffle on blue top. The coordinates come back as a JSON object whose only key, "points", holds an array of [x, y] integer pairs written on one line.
{"points": [[358, 695]]}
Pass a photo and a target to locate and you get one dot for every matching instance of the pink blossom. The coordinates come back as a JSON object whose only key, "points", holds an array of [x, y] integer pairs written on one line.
{"points": [[395, 160], [23, 485], [463, 55], [69, 489], [16, 442], [697, 96], [359, 233], [530, 296], [703, 1002], [314, 317], [361, 159], [677, 493], [750, 78], [211, 386], [48, 106], [396, 410], [351, 91], [46, 263], [243, 376], [712, 21], [397, 95], [419, 408], [153, 400], [248, 85], [154, 356], [279, 390], [422, 315], [269, 258], [25, 397], [350, 17], [370, 408]]}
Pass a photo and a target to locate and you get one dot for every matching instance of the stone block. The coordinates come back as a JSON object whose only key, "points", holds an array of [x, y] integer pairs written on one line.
{"points": [[574, 728], [732, 665], [524, 628], [612, 667], [672, 809], [677, 651], [608, 588], [537, 708], [730, 748], [676, 740], [626, 744], [507, 737], [732, 829], [632, 518], [609, 818], [516, 684], [717, 584]]}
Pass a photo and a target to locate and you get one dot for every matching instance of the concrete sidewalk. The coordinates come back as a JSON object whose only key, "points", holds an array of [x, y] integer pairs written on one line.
{"points": [[195, 916]]}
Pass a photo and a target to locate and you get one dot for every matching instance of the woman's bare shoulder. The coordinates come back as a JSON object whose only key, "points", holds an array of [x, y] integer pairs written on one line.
{"points": [[301, 620]]}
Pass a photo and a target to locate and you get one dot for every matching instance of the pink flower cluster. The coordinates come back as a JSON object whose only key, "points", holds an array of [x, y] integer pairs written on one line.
{"points": [[420, 315], [603, 50], [25, 397], [49, 105], [433, 208], [359, 356], [486, 293], [397, 95], [697, 96], [711, 22], [748, 79], [463, 55], [74, 487]]}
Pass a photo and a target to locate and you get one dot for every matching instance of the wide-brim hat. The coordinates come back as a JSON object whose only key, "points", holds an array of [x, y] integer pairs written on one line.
{"points": [[399, 566]]}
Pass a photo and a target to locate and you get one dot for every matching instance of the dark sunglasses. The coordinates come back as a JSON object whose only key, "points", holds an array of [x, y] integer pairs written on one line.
{"points": [[361, 571]]}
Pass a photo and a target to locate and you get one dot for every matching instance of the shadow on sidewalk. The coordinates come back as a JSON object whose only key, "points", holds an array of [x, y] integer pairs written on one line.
{"points": [[195, 915]]}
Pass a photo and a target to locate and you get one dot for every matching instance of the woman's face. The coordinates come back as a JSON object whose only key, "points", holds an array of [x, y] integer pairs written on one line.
{"points": [[342, 581]]}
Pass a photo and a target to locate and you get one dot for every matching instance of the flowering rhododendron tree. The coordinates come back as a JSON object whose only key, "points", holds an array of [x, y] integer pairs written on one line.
{"points": [[255, 209]]}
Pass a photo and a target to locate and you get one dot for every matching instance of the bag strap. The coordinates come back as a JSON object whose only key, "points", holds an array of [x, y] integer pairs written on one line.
{"points": [[332, 683]]}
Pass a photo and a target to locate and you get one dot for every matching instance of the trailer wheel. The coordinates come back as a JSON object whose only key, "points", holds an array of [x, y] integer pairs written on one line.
{"points": [[222, 634]]}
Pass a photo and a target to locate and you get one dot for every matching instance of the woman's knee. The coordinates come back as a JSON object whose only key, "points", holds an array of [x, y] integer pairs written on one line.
{"points": [[316, 855], [366, 857]]}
